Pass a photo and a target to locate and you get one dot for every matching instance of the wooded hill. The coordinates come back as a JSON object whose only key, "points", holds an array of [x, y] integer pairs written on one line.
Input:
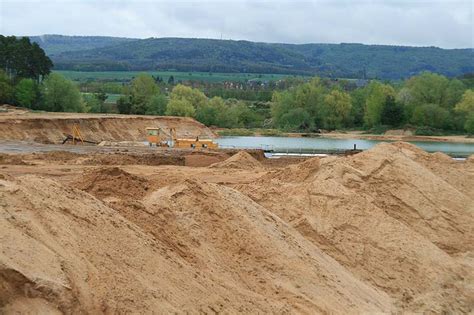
{"points": [[186, 54]]}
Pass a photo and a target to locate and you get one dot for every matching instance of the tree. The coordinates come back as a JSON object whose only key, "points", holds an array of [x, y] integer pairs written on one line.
{"points": [[93, 104], [26, 93], [282, 103], [124, 105], [171, 80], [466, 108], [428, 88], [358, 98], [142, 89], [156, 105], [466, 105], [376, 97], [431, 115], [61, 95], [337, 107], [245, 116], [185, 93], [392, 113], [296, 119], [21, 58], [469, 124], [101, 95], [453, 93], [178, 107], [211, 113], [6, 89]]}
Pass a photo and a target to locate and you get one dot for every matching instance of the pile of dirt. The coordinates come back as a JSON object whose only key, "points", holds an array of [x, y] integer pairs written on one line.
{"points": [[294, 172], [113, 182], [196, 247], [386, 217], [242, 160]]}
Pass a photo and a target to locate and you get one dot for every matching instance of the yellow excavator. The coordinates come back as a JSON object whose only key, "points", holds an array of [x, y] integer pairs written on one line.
{"points": [[158, 137]]}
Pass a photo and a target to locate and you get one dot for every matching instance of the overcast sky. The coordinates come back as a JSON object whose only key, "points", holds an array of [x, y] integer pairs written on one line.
{"points": [[442, 23]]}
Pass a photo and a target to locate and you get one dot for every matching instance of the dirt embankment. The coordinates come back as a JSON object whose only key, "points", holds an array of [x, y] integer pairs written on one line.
{"points": [[384, 231], [53, 127]]}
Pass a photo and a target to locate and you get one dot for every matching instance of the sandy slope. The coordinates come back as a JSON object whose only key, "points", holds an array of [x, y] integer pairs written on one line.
{"points": [[23, 125], [198, 249], [385, 217], [386, 230]]}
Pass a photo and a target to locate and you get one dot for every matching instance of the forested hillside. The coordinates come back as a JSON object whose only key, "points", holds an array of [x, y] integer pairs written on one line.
{"points": [[55, 44], [210, 55]]}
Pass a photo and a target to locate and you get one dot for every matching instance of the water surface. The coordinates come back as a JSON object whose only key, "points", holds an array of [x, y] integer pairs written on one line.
{"points": [[282, 144]]}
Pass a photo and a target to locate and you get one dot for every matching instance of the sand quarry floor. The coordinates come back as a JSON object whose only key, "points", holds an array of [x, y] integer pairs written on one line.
{"points": [[388, 230]]}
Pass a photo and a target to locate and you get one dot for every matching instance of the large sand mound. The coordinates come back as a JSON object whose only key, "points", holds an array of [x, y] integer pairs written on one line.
{"points": [[241, 160], [112, 181], [386, 217], [200, 247]]}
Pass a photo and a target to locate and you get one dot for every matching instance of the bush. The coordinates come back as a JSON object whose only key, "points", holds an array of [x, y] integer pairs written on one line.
{"points": [[378, 130], [427, 131]]}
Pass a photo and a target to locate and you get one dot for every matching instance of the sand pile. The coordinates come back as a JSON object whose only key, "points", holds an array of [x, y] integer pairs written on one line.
{"points": [[225, 233], [197, 247], [295, 172], [387, 218], [241, 160], [112, 182]]}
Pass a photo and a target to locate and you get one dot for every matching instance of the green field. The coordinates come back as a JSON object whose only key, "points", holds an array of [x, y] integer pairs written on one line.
{"points": [[125, 76]]}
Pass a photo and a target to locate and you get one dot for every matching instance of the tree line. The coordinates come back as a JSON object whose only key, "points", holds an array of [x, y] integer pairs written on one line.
{"points": [[429, 103]]}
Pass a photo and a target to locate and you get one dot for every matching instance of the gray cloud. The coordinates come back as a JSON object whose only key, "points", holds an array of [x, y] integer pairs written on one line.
{"points": [[447, 24]]}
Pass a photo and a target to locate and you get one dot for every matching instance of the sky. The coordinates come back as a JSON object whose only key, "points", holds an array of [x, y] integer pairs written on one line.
{"points": [[441, 23]]}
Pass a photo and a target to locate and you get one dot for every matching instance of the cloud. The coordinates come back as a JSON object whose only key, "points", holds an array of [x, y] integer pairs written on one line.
{"points": [[447, 24]]}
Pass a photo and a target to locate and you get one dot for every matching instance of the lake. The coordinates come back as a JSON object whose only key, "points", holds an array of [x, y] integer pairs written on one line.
{"points": [[289, 144]]}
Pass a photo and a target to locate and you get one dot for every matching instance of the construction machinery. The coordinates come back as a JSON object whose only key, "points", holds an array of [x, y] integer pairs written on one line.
{"points": [[76, 136], [158, 137]]}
